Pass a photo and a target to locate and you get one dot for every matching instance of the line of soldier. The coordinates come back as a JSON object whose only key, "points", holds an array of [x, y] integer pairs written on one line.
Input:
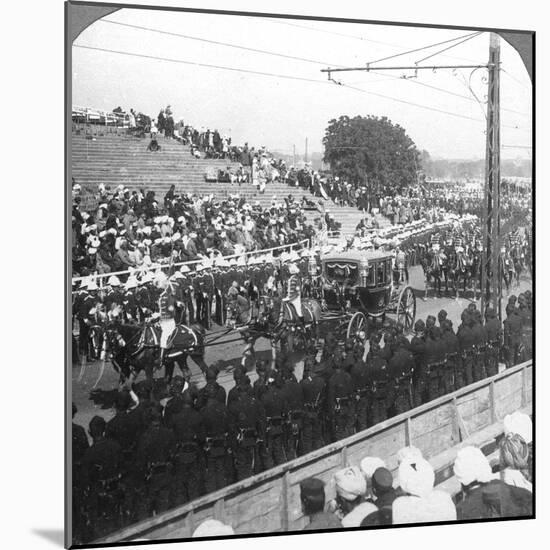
{"points": [[150, 457], [200, 294]]}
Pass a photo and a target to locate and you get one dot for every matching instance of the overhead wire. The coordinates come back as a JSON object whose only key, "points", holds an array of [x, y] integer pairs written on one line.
{"points": [[217, 42], [449, 47], [276, 75], [297, 58], [423, 48]]}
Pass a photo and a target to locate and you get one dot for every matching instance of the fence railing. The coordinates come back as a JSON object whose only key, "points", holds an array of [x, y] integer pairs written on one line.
{"points": [[270, 501], [168, 266]]}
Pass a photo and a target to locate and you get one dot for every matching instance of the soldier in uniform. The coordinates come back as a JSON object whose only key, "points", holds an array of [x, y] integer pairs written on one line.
{"points": [[452, 356], [340, 400], [260, 385], [79, 447], [294, 421], [189, 465], [246, 426], [467, 351], [174, 405], [493, 328], [361, 382], [418, 350], [480, 342], [313, 389], [153, 465], [379, 384], [294, 291], [435, 363], [114, 295], [167, 308], [129, 302], [512, 338], [400, 370], [526, 316], [275, 408], [86, 300], [100, 477], [217, 446], [211, 388]]}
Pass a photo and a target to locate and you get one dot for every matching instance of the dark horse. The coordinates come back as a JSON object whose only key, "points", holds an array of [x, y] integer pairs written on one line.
{"points": [[288, 327], [249, 318], [433, 270], [135, 348]]}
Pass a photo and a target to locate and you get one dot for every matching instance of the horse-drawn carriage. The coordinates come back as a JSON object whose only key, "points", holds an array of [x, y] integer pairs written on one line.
{"points": [[360, 286]]}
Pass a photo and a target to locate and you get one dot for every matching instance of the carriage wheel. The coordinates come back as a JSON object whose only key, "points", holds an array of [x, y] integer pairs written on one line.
{"points": [[406, 308], [357, 327]]}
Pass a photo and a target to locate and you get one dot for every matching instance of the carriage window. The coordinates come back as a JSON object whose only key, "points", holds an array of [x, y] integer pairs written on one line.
{"points": [[370, 275], [381, 273]]}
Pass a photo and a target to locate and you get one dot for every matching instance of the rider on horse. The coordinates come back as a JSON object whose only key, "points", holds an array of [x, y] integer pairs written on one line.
{"points": [[294, 291], [167, 308]]}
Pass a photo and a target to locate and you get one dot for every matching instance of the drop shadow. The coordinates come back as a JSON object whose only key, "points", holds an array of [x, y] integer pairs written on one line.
{"points": [[57, 536]]}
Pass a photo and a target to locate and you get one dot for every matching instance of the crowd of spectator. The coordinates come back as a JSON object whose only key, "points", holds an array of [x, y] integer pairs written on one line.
{"points": [[135, 229]]}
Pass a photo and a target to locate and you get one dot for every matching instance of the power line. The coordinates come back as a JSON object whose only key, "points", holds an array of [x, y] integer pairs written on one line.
{"points": [[261, 73], [423, 48], [185, 62], [435, 109], [449, 47], [216, 42], [352, 36]]}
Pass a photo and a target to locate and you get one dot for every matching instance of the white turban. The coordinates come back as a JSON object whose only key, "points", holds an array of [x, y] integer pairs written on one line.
{"points": [[519, 423], [472, 465], [212, 528], [370, 464], [436, 506], [350, 483], [416, 476], [407, 453]]}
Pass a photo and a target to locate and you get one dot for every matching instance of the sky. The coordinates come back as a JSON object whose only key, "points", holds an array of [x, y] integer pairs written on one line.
{"points": [[295, 100]]}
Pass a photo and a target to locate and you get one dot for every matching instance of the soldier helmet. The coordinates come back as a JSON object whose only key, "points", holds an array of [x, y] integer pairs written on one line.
{"points": [[210, 391], [442, 315], [177, 384], [430, 321], [512, 299], [97, 426], [123, 401], [472, 307], [211, 373], [419, 326], [113, 281]]}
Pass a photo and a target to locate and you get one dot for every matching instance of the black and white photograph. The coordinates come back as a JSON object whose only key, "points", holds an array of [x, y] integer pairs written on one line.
{"points": [[300, 273]]}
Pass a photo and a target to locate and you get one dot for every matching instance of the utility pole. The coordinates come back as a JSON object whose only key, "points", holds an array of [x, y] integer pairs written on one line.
{"points": [[294, 155], [305, 158], [491, 283]]}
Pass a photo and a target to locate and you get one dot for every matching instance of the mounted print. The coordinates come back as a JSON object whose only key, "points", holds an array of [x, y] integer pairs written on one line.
{"points": [[300, 261]]}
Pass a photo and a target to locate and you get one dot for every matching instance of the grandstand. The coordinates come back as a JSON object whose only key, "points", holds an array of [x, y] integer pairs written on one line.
{"points": [[114, 157]]}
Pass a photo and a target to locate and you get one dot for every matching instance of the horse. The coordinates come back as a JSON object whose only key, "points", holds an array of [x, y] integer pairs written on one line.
{"points": [[247, 316], [288, 326], [462, 272], [433, 270], [450, 271], [134, 348]]}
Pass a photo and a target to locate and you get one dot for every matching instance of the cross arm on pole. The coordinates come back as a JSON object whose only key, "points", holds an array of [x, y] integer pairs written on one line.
{"points": [[369, 67]]}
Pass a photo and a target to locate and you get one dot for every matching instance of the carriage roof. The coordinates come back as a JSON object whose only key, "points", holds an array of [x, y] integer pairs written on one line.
{"points": [[357, 256]]}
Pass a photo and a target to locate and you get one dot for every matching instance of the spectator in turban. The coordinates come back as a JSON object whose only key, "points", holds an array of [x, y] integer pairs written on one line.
{"points": [[213, 528], [520, 423], [422, 503], [350, 505], [514, 462]]}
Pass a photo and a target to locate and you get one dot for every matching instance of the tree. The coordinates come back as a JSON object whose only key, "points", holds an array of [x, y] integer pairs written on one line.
{"points": [[371, 151]]}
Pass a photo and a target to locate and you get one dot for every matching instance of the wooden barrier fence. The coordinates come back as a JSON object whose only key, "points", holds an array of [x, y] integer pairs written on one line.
{"points": [[270, 501]]}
